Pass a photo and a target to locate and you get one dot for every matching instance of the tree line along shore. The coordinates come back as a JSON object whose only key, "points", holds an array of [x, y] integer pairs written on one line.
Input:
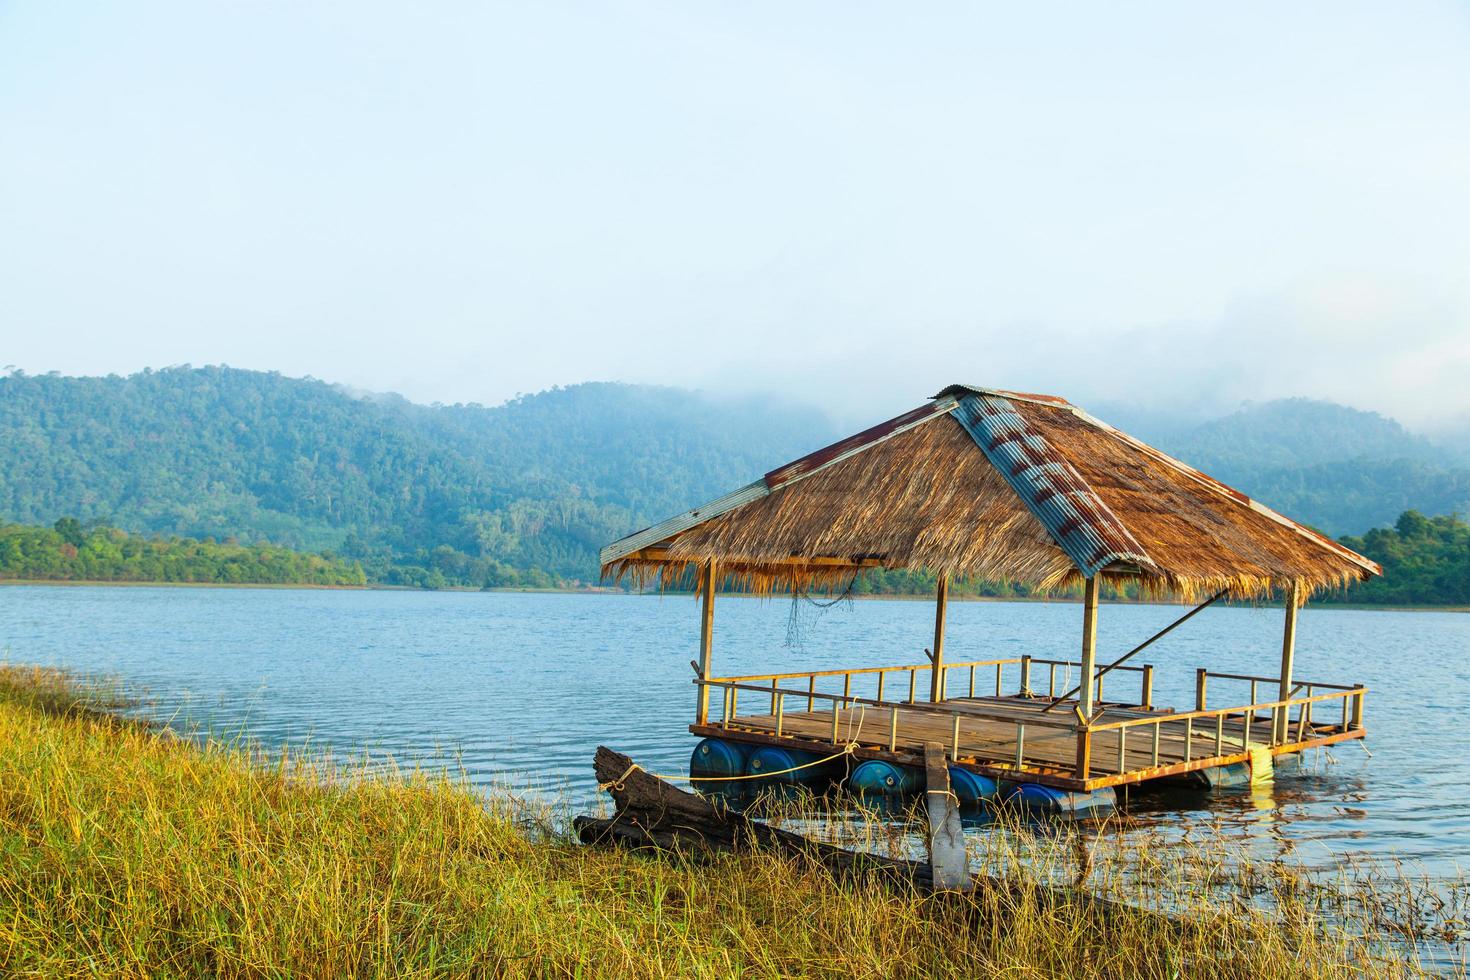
{"points": [[1426, 563]]}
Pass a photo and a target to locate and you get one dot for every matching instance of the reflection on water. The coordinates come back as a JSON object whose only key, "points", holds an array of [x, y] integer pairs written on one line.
{"points": [[519, 689]]}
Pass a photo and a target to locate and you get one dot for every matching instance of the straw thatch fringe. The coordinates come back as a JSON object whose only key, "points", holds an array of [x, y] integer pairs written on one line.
{"points": [[928, 498]]}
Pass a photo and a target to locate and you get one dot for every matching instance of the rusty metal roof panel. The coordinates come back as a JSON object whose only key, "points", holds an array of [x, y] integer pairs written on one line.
{"points": [[1224, 490], [1081, 524]]}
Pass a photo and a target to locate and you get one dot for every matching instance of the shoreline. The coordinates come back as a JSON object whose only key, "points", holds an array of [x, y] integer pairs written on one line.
{"points": [[608, 590]]}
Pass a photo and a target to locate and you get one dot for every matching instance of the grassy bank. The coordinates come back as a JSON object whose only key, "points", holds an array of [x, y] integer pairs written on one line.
{"points": [[127, 852]]}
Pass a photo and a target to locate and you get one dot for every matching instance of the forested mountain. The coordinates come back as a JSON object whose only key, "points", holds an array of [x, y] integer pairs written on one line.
{"points": [[1337, 468], [526, 492], [518, 494], [1297, 432]]}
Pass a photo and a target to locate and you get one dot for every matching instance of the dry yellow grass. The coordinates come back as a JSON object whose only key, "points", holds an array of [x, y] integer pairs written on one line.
{"points": [[126, 852]]}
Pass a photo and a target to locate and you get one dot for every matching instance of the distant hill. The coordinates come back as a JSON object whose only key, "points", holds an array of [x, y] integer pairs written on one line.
{"points": [[526, 493], [1340, 469], [1298, 432], [517, 494]]}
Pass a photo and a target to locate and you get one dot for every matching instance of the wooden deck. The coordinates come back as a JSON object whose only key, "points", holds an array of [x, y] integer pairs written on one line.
{"points": [[1011, 737]]}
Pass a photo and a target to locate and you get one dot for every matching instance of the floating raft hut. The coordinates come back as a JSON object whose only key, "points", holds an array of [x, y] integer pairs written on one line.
{"points": [[998, 485]]}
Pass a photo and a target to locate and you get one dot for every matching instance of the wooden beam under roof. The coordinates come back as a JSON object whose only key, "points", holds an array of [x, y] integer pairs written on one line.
{"points": [[662, 553]]}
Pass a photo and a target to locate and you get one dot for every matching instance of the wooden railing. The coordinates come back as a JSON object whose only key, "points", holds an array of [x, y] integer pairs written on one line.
{"points": [[953, 710], [913, 671], [1145, 674], [1211, 723], [1277, 724], [967, 671]]}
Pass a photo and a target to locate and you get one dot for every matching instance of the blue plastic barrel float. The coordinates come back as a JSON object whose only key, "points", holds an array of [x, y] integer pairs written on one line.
{"points": [[715, 757], [878, 778], [971, 787], [780, 764], [1049, 800]]}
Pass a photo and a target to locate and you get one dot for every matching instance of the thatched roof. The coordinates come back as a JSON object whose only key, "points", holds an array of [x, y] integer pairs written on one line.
{"points": [[993, 485]]}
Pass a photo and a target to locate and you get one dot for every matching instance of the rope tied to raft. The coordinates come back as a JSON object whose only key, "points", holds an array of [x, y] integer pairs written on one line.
{"points": [[617, 784]]}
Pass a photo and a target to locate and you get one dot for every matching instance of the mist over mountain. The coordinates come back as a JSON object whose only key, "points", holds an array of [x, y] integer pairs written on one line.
{"points": [[1340, 469], [526, 492], [1296, 432]]}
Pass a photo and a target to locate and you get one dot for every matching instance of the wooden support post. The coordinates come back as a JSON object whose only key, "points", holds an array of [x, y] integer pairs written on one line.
{"points": [[1089, 645], [1084, 753], [1148, 686], [1025, 675], [947, 858], [1288, 655], [706, 638], [1201, 677], [936, 676], [1357, 720]]}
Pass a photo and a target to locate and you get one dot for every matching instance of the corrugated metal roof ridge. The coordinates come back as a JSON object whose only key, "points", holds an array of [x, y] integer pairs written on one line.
{"points": [[1083, 526], [1054, 401], [1204, 479], [775, 480], [1227, 491]]}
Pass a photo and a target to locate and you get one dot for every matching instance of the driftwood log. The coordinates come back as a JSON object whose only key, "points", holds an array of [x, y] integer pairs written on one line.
{"points": [[652, 813]]}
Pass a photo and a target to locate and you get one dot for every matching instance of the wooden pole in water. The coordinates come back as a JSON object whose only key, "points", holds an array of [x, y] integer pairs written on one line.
{"points": [[1089, 645], [936, 676], [1288, 655], [706, 637], [948, 861]]}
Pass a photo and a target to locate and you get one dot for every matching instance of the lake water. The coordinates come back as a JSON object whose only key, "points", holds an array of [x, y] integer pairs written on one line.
{"points": [[520, 688]]}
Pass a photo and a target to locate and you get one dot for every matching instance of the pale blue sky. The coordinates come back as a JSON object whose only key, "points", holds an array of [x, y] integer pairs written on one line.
{"points": [[1169, 203]]}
